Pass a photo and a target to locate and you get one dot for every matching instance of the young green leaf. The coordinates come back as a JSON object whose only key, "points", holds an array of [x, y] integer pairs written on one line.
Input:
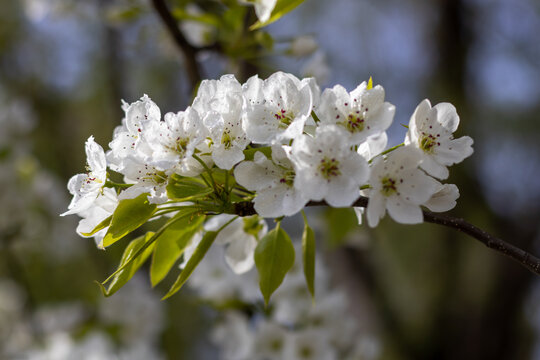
{"points": [[308, 256], [370, 84], [282, 7], [171, 244], [102, 225], [274, 257], [194, 260], [135, 262], [128, 216], [188, 212]]}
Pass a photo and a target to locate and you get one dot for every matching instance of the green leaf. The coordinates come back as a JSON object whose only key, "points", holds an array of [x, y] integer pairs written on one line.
{"points": [[369, 84], [128, 216], [308, 256], [185, 189], [187, 213], [102, 225], [129, 263], [250, 153], [282, 7], [171, 245], [193, 261], [274, 257]]}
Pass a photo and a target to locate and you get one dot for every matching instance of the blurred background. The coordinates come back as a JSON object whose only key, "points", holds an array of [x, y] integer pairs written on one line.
{"points": [[420, 292]]}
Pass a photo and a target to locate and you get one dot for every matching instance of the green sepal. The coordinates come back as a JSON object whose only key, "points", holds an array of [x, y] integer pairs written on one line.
{"points": [[171, 245], [194, 260], [102, 225], [308, 256], [129, 264], [274, 257], [129, 215], [282, 7]]}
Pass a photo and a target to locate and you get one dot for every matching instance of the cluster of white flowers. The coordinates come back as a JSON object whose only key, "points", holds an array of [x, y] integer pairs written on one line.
{"points": [[305, 146], [292, 328]]}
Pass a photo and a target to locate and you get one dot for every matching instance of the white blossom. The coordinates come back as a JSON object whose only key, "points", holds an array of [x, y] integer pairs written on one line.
{"points": [[220, 103], [277, 108], [431, 130], [273, 181], [327, 168], [85, 188], [399, 186], [145, 179], [173, 142], [359, 114], [128, 140]]}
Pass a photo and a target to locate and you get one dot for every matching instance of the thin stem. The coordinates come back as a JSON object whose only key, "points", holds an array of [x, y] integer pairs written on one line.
{"points": [[531, 262], [207, 169]]}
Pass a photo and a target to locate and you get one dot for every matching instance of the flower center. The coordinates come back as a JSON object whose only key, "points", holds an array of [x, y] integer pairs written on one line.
{"points": [[354, 123], [288, 178], [388, 186], [329, 168], [181, 146], [285, 118], [428, 142], [226, 140], [155, 177]]}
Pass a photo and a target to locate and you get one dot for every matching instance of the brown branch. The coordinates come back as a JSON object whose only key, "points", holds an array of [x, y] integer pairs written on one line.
{"points": [[189, 51], [527, 260]]}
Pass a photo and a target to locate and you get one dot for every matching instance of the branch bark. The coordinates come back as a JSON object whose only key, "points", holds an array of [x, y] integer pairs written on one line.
{"points": [[526, 259], [189, 51]]}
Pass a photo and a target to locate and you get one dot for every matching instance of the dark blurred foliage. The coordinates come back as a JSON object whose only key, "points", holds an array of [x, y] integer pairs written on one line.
{"points": [[428, 292]]}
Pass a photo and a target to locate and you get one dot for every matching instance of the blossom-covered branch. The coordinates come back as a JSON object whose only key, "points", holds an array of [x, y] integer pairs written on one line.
{"points": [[526, 259], [262, 149]]}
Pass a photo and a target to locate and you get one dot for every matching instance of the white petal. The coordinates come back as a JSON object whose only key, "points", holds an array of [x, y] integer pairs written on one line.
{"points": [[432, 167], [444, 199], [255, 176], [226, 158], [415, 186], [447, 116], [376, 208], [342, 192], [403, 212], [239, 254], [454, 151]]}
